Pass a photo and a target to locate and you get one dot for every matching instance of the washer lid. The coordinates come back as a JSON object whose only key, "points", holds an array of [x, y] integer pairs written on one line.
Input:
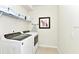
{"points": [[16, 36], [21, 37], [11, 35]]}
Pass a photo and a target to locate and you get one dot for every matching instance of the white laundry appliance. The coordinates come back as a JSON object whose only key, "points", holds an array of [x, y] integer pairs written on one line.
{"points": [[35, 39], [16, 43]]}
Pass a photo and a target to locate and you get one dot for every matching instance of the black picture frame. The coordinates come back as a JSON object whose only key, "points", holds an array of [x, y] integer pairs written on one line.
{"points": [[44, 22]]}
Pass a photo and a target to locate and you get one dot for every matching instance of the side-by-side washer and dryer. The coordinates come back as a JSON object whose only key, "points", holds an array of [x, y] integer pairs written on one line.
{"points": [[16, 43]]}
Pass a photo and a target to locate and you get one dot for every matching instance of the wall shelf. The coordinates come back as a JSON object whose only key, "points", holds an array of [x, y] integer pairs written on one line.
{"points": [[10, 12]]}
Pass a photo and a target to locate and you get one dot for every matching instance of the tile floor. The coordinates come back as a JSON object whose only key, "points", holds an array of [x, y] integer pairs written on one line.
{"points": [[46, 50]]}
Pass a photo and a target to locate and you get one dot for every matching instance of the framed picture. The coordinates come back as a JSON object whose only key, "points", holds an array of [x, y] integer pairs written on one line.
{"points": [[44, 22]]}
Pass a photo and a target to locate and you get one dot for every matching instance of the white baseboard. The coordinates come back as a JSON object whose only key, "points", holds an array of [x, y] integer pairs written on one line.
{"points": [[47, 46], [60, 51]]}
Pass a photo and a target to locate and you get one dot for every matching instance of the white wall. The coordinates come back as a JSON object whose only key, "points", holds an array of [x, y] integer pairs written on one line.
{"points": [[8, 24], [47, 37], [68, 29]]}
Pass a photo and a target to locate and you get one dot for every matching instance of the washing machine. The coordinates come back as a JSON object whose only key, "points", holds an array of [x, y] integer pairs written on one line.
{"points": [[16, 43]]}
